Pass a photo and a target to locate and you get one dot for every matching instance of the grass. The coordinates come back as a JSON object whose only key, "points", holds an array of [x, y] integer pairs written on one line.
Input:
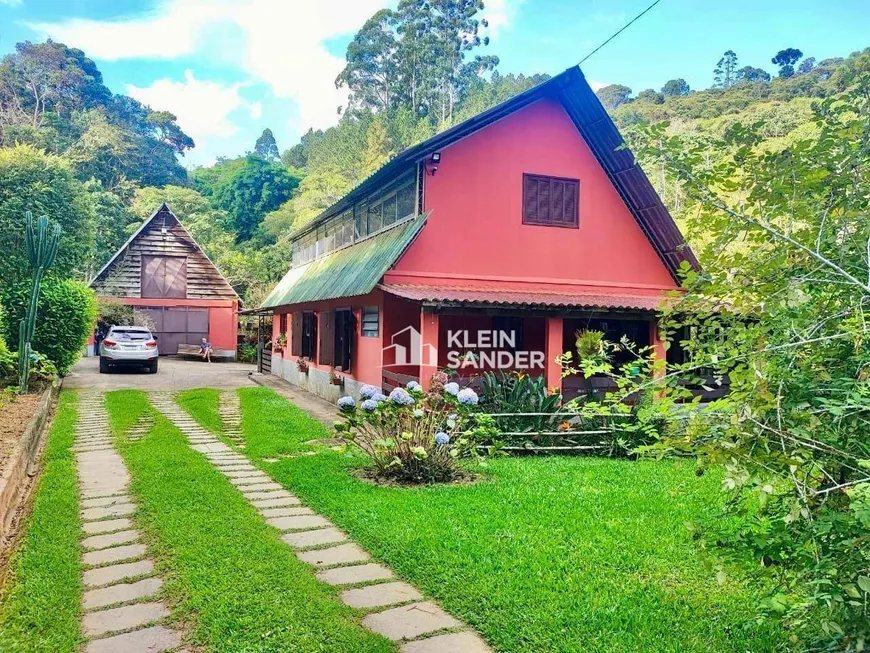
{"points": [[545, 554], [228, 576], [39, 606]]}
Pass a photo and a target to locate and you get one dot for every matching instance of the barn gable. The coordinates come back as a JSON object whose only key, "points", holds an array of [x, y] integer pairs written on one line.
{"points": [[162, 261]]}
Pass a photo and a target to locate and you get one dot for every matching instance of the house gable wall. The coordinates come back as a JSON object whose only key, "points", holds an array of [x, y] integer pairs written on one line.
{"points": [[475, 230], [124, 277]]}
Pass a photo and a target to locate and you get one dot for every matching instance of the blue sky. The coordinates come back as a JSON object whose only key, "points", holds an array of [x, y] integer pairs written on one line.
{"points": [[229, 68]]}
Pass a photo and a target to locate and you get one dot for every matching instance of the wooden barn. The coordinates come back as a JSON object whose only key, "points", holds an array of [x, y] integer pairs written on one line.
{"points": [[163, 272]]}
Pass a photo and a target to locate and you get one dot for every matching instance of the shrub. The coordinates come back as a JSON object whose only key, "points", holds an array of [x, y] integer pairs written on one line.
{"points": [[8, 364], [247, 353], [416, 437], [65, 318], [520, 393]]}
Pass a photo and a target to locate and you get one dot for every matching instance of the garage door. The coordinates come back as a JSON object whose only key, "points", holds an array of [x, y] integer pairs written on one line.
{"points": [[178, 326]]}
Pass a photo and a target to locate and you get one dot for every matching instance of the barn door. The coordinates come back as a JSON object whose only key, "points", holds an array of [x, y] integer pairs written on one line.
{"points": [[164, 277]]}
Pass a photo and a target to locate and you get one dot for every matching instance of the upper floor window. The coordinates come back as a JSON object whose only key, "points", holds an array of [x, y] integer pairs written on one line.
{"points": [[551, 201]]}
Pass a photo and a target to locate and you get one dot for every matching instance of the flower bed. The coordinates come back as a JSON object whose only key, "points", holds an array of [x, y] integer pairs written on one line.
{"points": [[414, 436]]}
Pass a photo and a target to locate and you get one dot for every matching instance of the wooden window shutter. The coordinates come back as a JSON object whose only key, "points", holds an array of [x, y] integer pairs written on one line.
{"points": [[530, 199], [550, 201], [296, 335], [326, 355]]}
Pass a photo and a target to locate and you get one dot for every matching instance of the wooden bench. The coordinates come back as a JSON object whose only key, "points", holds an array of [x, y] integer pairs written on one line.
{"points": [[193, 351]]}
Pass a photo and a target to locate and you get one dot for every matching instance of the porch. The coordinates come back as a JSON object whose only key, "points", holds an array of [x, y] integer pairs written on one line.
{"points": [[395, 335]]}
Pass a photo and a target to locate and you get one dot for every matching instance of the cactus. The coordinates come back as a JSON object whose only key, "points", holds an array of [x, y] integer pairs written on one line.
{"points": [[41, 251]]}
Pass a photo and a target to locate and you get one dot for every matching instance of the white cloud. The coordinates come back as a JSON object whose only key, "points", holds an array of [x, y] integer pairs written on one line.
{"points": [[282, 42], [596, 85], [256, 110], [10, 3], [203, 108], [499, 14]]}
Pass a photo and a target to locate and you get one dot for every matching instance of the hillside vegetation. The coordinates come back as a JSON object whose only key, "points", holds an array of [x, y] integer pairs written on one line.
{"points": [[410, 73]]}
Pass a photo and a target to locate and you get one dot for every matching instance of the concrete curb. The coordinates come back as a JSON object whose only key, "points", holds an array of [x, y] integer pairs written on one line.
{"points": [[15, 479]]}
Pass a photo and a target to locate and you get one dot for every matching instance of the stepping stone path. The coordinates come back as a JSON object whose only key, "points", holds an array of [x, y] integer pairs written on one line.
{"points": [[121, 614], [392, 607], [230, 410]]}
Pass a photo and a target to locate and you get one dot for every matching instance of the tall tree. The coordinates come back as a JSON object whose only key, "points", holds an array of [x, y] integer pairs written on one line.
{"points": [[48, 77], [674, 87], [266, 147], [650, 95], [724, 75], [806, 65], [613, 95], [372, 69], [43, 184], [786, 59], [247, 189], [751, 74]]}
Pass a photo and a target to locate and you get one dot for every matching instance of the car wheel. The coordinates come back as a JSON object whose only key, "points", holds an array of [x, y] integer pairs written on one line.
{"points": [[104, 366], [153, 368]]}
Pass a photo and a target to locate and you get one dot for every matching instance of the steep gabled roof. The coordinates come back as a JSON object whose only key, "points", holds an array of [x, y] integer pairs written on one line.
{"points": [[573, 92], [223, 287], [347, 272]]}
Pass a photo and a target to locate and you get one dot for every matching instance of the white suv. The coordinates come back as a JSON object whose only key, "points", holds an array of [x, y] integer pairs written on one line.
{"points": [[128, 345]]}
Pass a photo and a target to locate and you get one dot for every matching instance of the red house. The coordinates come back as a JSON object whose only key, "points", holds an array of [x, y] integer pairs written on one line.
{"points": [[484, 247], [162, 271]]}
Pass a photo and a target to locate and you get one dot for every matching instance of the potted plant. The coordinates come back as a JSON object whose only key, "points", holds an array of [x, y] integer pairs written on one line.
{"points": [[281, 341], [302, 364], [336, 379]]}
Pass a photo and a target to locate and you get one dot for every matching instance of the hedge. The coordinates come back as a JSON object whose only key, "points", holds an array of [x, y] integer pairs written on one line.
{"points": [[65, 318]]}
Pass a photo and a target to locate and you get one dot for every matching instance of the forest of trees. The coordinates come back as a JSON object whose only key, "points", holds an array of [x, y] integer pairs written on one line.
{"points": [[410, 73]]}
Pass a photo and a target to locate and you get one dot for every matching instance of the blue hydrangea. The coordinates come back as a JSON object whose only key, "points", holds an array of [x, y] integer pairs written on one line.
{"points": [[442, 438], [413, 385], [400, 396], [419, 414], [369, 405], [346, 403], [369, 391], [379, 397], [451, 388], [468, 397]]}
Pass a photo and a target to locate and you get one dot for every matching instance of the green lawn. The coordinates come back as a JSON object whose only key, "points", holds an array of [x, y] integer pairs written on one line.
{"points": [[39, 606], [229, 578], [545, 554]]}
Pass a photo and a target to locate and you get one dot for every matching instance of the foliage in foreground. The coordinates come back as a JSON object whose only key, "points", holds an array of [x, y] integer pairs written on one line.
{"points": [[39, 604], [414, 436], [781, 308]]}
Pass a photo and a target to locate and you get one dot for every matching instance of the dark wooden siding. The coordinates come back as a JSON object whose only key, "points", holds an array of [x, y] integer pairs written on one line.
{"points": [[163, 237]]}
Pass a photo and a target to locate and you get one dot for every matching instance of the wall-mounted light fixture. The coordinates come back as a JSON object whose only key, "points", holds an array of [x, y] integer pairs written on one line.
{"points": [[432, 163]]}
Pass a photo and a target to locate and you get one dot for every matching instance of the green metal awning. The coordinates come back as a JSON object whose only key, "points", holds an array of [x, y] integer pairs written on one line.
{"points": [[346, 272]]}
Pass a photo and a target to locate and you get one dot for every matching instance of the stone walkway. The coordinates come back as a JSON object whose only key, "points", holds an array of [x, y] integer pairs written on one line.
{"points": [[120, 613], [230, 410], [392, 607]]}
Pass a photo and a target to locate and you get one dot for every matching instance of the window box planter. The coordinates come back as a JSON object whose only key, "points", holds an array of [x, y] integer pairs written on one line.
{"points": [[336, 379], [302, 365]]}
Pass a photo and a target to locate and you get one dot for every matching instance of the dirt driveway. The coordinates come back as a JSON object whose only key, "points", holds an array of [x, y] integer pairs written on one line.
{"points": [[173, 375]]}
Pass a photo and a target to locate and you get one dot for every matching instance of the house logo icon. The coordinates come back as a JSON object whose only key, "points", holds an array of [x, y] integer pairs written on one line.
{"points": [[407, 349]]}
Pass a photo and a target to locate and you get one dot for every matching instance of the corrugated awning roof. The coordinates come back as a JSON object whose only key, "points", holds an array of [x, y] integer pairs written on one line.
{"points": [[347, 272], [532, 297]]}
